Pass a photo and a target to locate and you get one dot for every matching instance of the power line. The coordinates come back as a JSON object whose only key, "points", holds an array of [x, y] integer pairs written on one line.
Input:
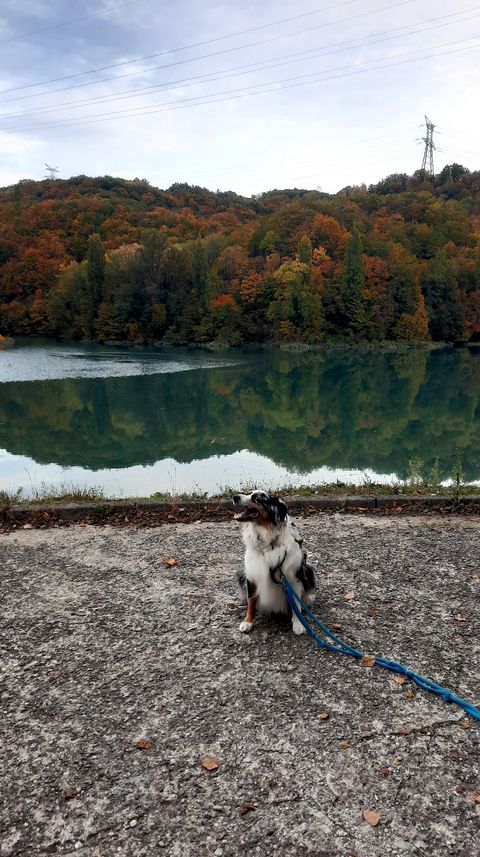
{"points": [[71, 21], [235, 94], [236, 71], [204, 56], [332, 167], [374, 152]]}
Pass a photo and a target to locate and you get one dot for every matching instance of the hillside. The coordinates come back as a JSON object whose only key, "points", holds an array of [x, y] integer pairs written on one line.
{"points": [[111, 259]]}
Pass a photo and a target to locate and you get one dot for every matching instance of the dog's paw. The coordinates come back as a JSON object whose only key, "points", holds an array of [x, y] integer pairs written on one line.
{"points": [[298, 628], [245, 627]]}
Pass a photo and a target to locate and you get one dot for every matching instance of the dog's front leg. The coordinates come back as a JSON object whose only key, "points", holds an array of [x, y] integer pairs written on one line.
{"points": [[247, 623], [297, 626]]}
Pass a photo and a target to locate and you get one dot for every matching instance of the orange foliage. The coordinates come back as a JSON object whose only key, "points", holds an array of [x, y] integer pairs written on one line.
{"points": [[327, 232], [223, 302], [251, 287]]}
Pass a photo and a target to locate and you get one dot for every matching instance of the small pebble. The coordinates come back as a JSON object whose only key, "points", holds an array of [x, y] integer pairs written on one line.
{"points": [[78, 845], [133, 822]]}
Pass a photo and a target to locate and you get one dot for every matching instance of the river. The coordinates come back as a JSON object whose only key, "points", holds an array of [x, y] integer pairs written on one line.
{"points": [[137, 422]]}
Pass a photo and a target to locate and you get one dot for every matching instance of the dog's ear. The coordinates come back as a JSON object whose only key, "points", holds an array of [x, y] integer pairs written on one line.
{"points": [[281, 510]]}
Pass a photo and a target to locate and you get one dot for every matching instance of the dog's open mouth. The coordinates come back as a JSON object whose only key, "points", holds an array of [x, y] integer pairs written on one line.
{"points": [[247, 515]]}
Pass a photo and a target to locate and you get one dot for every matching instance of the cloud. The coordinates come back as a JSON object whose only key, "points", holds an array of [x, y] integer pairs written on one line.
{"points": [[356, 121]]}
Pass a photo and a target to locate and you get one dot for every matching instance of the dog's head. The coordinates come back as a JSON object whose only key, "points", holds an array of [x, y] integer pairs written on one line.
{"points": [[259, 507]]}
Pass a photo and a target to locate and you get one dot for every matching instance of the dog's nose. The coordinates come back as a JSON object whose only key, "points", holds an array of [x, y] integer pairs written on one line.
{"points": [[237, 498]]}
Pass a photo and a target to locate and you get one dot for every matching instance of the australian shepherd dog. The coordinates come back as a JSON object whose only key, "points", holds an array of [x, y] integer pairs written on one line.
{"points": [[272, 544]]}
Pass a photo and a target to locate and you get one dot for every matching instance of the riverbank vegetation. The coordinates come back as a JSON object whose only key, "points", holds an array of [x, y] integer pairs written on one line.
{"points": [[116, 260]]}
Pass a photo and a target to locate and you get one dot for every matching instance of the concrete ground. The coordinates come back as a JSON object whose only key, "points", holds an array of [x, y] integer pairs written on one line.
{"points": [[119, 674]]}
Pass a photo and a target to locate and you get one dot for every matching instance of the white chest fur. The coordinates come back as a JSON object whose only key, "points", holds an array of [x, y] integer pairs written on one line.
{"points": [[266, 549]]}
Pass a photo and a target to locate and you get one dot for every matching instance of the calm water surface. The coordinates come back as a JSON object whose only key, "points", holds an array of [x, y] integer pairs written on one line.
{"points": [[137, 422]]}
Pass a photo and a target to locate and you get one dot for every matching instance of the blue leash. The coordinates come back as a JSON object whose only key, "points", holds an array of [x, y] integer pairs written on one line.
{"points": [[342, 648]]}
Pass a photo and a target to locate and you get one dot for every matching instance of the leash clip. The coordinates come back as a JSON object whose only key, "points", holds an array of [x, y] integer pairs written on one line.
{"points": [[277, 574]]}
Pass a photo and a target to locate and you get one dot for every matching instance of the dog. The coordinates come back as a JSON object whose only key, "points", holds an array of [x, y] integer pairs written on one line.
{"points": [[272, 544]]}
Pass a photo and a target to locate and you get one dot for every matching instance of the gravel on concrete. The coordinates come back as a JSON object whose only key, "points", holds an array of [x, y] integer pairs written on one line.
{"points": [[119, 674]]}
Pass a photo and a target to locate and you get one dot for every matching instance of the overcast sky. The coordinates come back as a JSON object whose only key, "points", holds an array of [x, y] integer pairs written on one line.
{"points": [[237, 95]]}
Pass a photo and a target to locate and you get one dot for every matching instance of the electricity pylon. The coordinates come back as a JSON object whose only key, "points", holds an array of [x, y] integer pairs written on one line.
{"points": [[51, 172], [429, 147]]}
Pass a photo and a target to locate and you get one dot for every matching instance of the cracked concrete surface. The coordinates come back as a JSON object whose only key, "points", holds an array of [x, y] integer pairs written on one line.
{"points": [[103, 646]]}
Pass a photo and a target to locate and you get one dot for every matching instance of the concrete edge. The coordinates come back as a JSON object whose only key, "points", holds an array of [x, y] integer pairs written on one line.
{"points": [[167, 510]]}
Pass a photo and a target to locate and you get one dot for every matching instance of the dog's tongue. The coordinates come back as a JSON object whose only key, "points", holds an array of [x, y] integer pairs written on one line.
{"points": [[247, 515]]}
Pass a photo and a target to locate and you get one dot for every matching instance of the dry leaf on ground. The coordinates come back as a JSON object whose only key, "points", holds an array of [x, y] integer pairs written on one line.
{"points": [[170, 561], [368, 661], [371, 817], [344, 745], [476, 797], [465, 724], [144, 744], [70, 793], [399, 679], [460, 618], [247, 806], [385, 772], [324, 715], [349, 596], [210, 763]]}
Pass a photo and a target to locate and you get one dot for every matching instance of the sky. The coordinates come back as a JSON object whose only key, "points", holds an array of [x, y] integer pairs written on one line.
{"points": [[237, 95]]}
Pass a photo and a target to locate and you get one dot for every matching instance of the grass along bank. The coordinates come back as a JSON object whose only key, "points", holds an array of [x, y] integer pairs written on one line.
{"points": [[419, 483]]}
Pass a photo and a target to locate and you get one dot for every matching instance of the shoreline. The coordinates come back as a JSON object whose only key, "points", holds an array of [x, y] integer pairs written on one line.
{"points": [[153, 513], [327, 345]]}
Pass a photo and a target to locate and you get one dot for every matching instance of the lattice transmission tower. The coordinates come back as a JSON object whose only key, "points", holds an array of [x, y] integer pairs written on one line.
{"points": [[51, 171], [427, 163]]}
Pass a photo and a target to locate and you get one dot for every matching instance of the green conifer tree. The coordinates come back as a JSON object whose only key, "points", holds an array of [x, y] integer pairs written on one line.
{"points": [[353, 280]]}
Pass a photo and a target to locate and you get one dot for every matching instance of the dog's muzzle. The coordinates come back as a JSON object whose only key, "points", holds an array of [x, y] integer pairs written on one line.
{"points": [[247, 511]]}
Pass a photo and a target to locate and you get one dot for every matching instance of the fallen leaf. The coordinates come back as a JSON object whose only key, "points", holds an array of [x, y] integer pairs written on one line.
{"points": [[349, 596], [408, 694], [344, 745], [399, 679], [144, 744], [70, 793], [336, 626], [397, 762], [385, 772], [27, 527], [210, 763], [460, 618], [476, 797], [170, 561], [247, 806], [465, 724], [403, 730], [324, 715], [371, 817], [461, 789], [373, 612], [368, 661]]}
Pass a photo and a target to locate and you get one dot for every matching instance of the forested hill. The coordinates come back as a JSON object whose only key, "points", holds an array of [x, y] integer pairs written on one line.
{"points": [[110, 259]]}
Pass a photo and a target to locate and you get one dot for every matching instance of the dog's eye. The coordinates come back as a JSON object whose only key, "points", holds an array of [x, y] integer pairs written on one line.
{"points": [[259, 497]]}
